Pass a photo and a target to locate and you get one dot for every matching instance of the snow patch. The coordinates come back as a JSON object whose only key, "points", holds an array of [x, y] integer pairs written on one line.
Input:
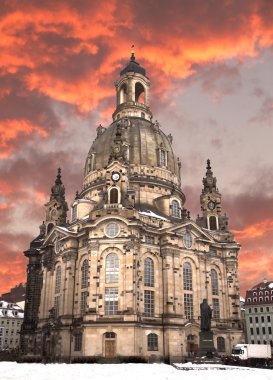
{"points": [[152, 215]]}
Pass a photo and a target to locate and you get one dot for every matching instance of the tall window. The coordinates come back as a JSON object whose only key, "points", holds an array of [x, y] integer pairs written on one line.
{"points": [[84, 269], [114, 195], [78, 342], [149, 303], [187, 276], [221, 347], [214, 282], [111, 301], [139, 93], [83, 305], [188, 306], [212, 223], [58, 276], [112, 268], [216, 308], [148, 272], [175, 209], [91, 162], [123, 94], [57, 305], [162, 157], [152, 342]]}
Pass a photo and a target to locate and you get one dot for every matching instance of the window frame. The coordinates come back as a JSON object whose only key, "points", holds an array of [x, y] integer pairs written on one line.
{"points": [[112, 268], [152, 342], [187, 276], [149, 276]]}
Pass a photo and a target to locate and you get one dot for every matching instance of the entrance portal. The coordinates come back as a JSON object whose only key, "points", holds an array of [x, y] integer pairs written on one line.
{"points": [[110, 344]]}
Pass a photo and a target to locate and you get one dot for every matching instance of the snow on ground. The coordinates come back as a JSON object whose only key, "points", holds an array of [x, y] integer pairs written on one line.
{"points": [[24, 371]]}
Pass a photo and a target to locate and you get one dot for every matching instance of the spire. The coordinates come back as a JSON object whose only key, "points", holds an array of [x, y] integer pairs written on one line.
{"points": [[58, 180], [56, 208], [133, 58], [58, 189], [208, 165], [133, 65], [209, 181], [210, 201]]}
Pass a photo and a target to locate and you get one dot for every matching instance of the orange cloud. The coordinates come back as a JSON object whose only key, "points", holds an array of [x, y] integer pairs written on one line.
{"points": [[254, 266], [256, 230], [10, 129], [47, 38]]}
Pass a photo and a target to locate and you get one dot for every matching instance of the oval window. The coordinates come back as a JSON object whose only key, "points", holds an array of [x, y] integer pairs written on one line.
{"points": [[187, 240]]}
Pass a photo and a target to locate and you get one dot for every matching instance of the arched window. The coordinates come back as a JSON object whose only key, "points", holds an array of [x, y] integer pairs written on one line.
{"points": [[175, 209], [152, 342], [148, 272], [214, 282], [112, 268], [187, 276], [221, 347], [58, 276], [84, 270], [123, 94], [114, 195], [139, 93], [212, 223], [162, 158]]}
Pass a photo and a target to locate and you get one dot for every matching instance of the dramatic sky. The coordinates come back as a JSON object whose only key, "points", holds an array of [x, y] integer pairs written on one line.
{"points": [[211, 68]]}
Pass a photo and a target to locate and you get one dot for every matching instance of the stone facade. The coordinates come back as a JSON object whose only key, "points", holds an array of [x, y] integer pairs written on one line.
{"points": [[126, 277], [259, 313]]}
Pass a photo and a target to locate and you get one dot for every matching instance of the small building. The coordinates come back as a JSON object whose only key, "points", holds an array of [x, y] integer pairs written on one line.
{"points": [[259, 313], [11, 318]]}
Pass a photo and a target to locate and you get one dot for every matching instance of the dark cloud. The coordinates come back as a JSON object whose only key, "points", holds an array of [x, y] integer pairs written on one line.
{"points": [[58, 64]]}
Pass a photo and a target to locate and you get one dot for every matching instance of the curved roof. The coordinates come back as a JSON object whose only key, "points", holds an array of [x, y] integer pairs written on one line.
{"points": [[144, 140], [134, 67]]}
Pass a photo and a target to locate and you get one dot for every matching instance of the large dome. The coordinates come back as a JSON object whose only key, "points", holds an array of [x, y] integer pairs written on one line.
{"points": [[144, 140]]}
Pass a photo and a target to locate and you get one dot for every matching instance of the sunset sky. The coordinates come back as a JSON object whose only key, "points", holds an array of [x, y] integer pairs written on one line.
{"points": [[211, 68]]}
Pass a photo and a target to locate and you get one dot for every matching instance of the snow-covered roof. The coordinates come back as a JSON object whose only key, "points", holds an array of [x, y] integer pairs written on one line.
{"points": [[152, 215], [66, 229], [4, 304], [10, 310], [263, 285]]}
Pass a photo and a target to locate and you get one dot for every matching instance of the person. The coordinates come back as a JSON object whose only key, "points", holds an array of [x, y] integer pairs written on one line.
{"points": [[206, 314]]}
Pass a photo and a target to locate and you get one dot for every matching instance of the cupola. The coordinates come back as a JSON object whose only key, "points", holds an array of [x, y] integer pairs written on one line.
{"points": [[132, 90]]}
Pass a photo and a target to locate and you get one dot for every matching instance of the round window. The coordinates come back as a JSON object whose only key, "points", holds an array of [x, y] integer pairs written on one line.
{"points": [[187, 240], [112, 229]]}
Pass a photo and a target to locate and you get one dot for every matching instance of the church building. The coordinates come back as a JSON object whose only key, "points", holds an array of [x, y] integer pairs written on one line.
{"points": [[126, 276]]}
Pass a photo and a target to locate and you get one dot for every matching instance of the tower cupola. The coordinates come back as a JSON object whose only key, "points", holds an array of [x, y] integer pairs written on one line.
{"points": [[211, 204], [132, 89], [56, 208]]}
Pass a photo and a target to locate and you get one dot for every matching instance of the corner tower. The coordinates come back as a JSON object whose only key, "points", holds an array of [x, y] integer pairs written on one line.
{"points": [[211, 206], [132, 90], [56, 208]]}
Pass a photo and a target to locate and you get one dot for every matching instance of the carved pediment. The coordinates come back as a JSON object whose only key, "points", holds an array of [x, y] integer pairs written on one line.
{"points": [[191, 228]]}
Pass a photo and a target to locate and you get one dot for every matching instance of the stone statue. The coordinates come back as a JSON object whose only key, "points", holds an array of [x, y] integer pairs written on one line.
{"points": [[206, 314]]}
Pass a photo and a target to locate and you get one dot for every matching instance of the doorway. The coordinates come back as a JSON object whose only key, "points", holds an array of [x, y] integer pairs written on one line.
{"points": [[110, 344]]}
